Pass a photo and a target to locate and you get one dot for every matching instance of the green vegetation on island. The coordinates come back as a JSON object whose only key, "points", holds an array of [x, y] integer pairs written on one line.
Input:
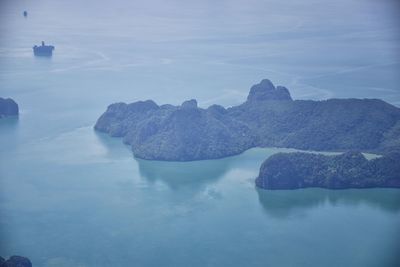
{"points": [[347, 170], [268, 118]]}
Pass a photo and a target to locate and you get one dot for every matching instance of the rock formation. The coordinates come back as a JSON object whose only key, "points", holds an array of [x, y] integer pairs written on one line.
{"points": [[269, 117], [15, 261], [347, 170], [8, 107]]}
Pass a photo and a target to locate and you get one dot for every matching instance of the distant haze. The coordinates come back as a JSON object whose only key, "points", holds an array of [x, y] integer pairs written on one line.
{"points": [[71, 196], [211, 50]]}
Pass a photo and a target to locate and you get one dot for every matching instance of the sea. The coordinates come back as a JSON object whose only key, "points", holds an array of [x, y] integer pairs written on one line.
{"points": [[70, 196]]}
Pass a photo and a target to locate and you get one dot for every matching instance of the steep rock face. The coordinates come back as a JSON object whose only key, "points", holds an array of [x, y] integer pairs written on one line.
{"points": [[15, 261], [269, 117], [8, 107], [265, 90], [189, 104], [348, 170]]}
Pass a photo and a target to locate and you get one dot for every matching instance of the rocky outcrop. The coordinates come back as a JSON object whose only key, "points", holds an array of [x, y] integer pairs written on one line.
{"points": [[265, 90], [8, 107], [179, 133], [269, 117], [348, 170], [15, 261]]}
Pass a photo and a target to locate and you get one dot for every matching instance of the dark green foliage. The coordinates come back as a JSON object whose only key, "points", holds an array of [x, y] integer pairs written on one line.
{"points": [[269, 117], [348, 170], [176, 133], [335, 124]]}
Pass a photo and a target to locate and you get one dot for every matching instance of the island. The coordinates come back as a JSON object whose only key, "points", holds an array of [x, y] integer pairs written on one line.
{"points": [[15, 261], [268, 118], [348, 170], [8, 107]]}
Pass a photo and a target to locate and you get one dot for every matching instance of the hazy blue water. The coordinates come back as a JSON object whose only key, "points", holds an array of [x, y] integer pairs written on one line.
{"points": [[72, 197]]}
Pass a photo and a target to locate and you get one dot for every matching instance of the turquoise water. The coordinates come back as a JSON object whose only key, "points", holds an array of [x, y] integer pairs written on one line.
{"points": [[72, 197]]}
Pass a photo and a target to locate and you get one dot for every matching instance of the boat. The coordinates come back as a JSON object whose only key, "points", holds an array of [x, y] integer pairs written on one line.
{"points": [[43, 50]]}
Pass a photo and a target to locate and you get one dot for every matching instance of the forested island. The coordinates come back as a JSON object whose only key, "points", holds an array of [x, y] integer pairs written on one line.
{"points": [[8, 107], [347, 170], [15, 261], [268, 118]]}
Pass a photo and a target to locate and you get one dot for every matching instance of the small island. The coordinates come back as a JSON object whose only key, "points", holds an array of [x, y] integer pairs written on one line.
{"points": [[15, 261], [8, 107], [347, 170], [268, 118]]}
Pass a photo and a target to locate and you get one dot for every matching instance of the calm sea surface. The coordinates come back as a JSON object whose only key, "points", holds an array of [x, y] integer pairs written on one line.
{"points": [[72, 197]]}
